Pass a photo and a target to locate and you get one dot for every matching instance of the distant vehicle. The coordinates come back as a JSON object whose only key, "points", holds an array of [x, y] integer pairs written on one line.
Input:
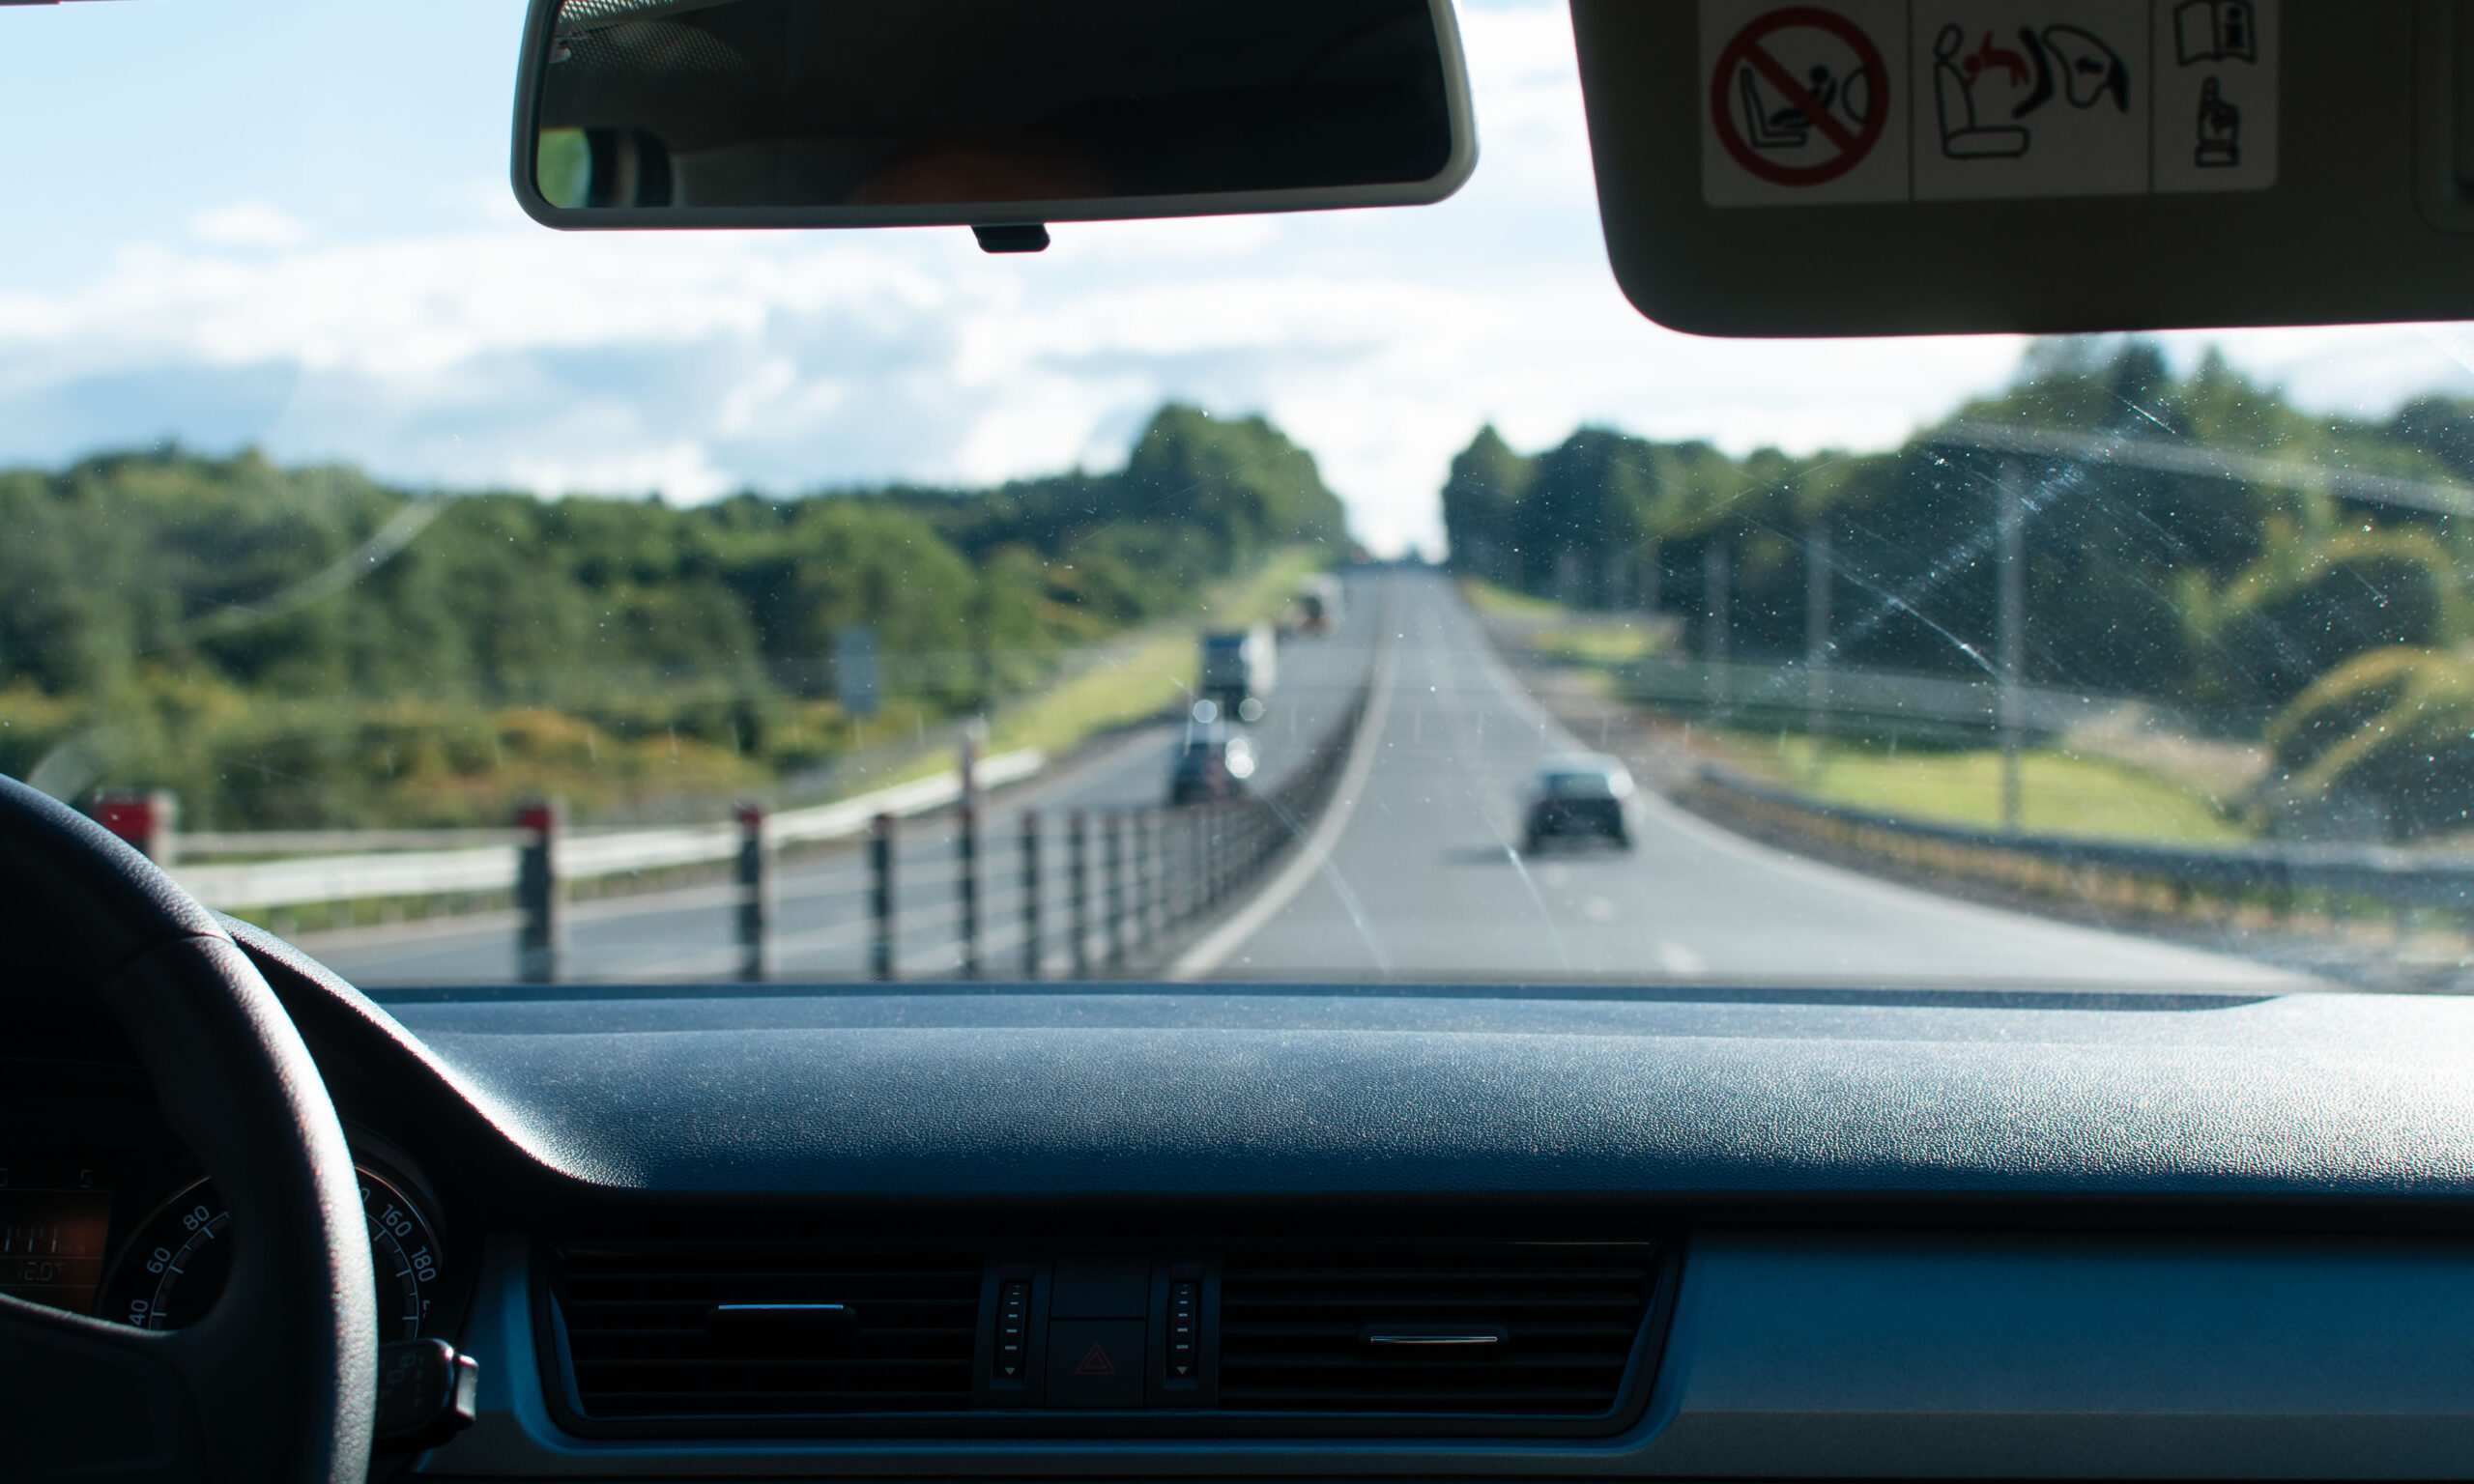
{"points": [[1580, 795], [1319, 606], [1214, 761], [1237, 671]]}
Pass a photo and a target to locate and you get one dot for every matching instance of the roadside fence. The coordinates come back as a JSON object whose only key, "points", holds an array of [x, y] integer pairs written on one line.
{"points": [[924, 897], [1136, 882], [359, 866], [2284, 879]]}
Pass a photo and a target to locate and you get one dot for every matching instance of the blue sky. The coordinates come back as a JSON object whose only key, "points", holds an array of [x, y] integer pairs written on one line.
{"points": [[288, 224]]}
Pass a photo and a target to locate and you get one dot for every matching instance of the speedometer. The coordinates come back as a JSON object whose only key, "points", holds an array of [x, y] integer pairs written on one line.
{"points": [[175, 1267]]}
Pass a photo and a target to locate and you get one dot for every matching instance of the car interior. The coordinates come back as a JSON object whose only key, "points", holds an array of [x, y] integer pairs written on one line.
{"points": [[1231, 1216]]}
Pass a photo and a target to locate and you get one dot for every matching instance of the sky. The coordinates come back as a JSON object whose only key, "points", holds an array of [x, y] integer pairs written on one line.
{"points": [[287, 224]]}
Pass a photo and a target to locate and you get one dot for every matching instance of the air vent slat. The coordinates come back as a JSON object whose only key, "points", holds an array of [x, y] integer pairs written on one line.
{"points": [[639, 1349], [1294, 1330]]}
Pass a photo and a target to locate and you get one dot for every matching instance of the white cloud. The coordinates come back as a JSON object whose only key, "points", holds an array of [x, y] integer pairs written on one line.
{"points": [[680, 470], [246, 224]]}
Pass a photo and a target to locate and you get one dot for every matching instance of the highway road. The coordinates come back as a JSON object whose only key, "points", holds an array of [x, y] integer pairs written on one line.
{"points": [[823, 929], [1424, 880], [1413, 877]]}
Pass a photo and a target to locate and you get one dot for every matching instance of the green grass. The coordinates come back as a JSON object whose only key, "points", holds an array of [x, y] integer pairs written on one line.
{"points": [[1150, 676], [1569, 637], [1153, 671], [1131, 678], [1613, 639], [2060, 794], [1503, 603]]}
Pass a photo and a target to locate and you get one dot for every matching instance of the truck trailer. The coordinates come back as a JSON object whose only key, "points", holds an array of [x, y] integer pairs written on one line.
{"points": [[1237, 670]]}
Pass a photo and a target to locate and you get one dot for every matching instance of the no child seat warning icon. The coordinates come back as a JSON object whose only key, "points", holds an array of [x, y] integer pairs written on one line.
{"points": [[1800, 97]]}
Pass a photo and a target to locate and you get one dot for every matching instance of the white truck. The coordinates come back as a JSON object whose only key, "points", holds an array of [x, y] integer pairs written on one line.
{"points": [[1237, 670]]}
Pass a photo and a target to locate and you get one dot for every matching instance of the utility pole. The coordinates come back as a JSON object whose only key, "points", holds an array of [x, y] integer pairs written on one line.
{"points": [[1817, 559], [2011, 524], [1714, 620]]}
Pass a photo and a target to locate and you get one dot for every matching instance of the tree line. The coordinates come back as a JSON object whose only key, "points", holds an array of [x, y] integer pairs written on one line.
{"points": [[2335, 629], [313, 647]]}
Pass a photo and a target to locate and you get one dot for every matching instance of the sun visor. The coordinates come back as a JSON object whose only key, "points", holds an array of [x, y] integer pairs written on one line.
{"points": [[1872, 168]]}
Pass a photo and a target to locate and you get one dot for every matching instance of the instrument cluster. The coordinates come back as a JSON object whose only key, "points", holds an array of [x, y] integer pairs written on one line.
{"points": [[102, 1213]]}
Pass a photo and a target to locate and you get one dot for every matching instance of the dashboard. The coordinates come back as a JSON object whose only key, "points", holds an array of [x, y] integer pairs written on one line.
{"points": [[1469, 1231]]}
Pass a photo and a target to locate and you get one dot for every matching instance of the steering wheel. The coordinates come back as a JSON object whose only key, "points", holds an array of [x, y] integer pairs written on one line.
{"points": [[278, 1382]]}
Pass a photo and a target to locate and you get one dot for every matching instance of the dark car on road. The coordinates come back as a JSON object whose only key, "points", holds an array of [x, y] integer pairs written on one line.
{"points": [[1214, 761], [1581, 796]]}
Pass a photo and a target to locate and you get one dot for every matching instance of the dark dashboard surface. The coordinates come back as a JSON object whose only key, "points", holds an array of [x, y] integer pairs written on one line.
{"points": [[1475, 1093], [2035, 1234], [1954, 1236]]}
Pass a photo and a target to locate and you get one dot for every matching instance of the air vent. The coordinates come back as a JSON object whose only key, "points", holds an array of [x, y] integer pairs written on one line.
{"points": [[748, 1329], [1520, 1330]]}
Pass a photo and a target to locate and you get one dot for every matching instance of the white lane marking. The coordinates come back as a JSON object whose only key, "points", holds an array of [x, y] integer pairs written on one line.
{"points": [[1214, 947], [1598, 910]]}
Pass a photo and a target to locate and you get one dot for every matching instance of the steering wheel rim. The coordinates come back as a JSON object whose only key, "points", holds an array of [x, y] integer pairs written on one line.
{"points": [[278, 1382]]}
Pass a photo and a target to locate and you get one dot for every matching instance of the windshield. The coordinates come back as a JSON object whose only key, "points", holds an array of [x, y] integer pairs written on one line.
{"points": [[1217, 598]]}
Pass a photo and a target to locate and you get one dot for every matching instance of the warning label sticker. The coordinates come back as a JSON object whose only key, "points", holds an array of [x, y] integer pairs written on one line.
{"points": [[2216, 95], [1802, 105], [1875, 100], [2018, 102]]}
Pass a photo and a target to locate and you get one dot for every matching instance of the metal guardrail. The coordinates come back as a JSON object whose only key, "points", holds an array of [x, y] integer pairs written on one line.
{"points": [[270, 843], [1136, 882], [492, 867], [2385, 874]]}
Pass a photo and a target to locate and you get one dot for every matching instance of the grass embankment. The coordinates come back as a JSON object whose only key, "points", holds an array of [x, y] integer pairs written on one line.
{"points": [[1133, 677], [1495, 601], [1153, 670], [2060, 792], [1571, 636]]}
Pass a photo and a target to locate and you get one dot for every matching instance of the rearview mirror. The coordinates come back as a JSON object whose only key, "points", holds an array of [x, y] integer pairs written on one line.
{"points": [[854, 113]]}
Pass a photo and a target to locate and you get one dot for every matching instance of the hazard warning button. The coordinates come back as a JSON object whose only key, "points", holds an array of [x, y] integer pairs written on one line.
{"points": [[1095, 1362]]}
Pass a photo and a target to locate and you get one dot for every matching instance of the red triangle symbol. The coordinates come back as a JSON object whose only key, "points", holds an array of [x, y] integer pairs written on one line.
{"points": [[1096, 1363]]}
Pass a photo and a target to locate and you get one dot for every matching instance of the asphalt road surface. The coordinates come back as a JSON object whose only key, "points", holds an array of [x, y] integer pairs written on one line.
{"points": [[1425, 881], [822, 928]]}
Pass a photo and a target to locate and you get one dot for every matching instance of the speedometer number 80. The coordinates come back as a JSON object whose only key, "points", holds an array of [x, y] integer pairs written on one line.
{"points": [[187, 1258]]}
